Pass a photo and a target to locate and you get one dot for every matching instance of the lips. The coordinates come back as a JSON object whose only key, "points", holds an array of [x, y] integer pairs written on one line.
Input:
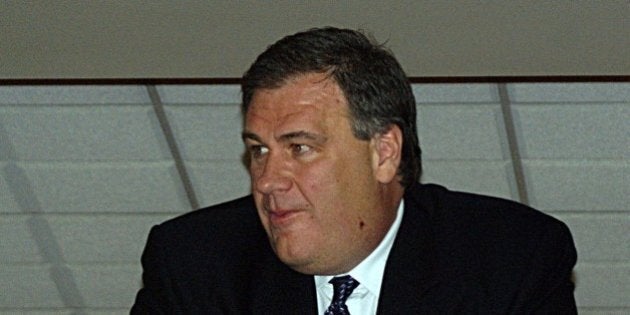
{"points": [[280, 213], [282, 217]]}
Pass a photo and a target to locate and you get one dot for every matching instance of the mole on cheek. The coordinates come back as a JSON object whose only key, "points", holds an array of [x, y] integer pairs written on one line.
{"points": [[361, 224]]}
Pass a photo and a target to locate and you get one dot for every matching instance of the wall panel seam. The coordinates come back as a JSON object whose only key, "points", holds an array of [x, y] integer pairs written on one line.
{"points": [[167, 131], [515, 156]]}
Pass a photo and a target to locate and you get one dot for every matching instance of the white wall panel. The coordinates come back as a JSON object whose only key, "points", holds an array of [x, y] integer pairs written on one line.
{"points": [[602, 311], [23, 311], [481, 177], [106, 187], [600, 237], [219, 181], [102, 239], [83, 133], [569, 92], [578, 185], [17, 244], [111, 311], [200, 94], [571, 131], [108, 286], [602, 285], [69, 311], [28, 286], [8, 203], [455, 93], [207, 132], [77, 95], [460, 132]]}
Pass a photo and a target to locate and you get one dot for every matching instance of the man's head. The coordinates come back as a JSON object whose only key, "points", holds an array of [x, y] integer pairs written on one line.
{"points": [[331, 138], [371, 79]]}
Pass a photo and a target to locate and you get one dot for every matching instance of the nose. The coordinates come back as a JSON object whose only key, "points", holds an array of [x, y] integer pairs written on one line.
{"points": [[274, 176]]}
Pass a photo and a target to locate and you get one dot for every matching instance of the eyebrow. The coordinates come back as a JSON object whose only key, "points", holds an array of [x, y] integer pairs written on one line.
{"points": [[304, 135], [250, 135], [287, 136]]}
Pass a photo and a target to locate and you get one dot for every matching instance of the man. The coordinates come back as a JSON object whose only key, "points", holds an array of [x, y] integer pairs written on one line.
{"points": [[337, 221]]}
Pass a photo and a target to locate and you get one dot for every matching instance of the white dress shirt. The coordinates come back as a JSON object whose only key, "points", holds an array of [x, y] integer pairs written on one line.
{"points": [[369, 273]]}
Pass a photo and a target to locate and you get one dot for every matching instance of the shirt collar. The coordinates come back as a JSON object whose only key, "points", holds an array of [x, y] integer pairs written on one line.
{"points": [[369, 272]]}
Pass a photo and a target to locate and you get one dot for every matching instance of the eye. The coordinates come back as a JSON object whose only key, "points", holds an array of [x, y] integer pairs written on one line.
{"points": [[299, 149], [257, 151]]}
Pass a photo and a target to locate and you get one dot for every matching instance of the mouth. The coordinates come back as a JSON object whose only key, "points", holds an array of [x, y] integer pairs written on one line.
{"points": [[282, 217]]}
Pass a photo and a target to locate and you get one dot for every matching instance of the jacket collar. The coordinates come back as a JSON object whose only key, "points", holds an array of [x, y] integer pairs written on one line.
{"points": [[411, 269], [281, 290]]}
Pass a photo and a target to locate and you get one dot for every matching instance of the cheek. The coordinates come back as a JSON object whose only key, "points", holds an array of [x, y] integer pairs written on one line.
{"points": [[253, 170], [327, 191], [317, 181]]}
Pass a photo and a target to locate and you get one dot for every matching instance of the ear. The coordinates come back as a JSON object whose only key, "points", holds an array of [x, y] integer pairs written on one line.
{"points": [[386, 154]]}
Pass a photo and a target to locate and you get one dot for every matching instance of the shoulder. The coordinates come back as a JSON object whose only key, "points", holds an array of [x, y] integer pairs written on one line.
{"points": [[484, 226], [230, 229], [222, 218], [453, 207], [204, 258]]}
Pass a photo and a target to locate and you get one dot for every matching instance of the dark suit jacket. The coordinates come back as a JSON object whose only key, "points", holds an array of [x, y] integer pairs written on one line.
{"points": [[455, 253]]}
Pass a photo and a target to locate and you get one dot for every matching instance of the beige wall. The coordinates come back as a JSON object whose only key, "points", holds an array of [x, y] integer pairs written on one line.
{"points": [[219, 39], [85, 171]]}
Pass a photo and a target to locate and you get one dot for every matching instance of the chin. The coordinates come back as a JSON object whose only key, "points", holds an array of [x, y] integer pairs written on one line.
{"points": [[300, 265], [298, 261]]}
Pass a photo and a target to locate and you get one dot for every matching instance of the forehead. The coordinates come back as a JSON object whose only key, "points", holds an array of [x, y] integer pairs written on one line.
{"points": [[308, 98]]}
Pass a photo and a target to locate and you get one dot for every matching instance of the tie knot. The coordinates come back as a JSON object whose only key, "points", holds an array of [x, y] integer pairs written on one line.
{"points": [[344, 283], [342, 288]]}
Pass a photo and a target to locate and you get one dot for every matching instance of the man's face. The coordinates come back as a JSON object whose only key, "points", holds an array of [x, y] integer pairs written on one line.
{"points": [[315, 185]]}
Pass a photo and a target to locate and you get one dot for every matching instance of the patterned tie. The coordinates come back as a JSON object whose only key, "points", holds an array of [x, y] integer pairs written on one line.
{"points": [[342, 287]]}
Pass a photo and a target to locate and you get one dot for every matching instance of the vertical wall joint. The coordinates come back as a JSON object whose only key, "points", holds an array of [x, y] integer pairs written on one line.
{"points": [[512, 140], [158, 107]]}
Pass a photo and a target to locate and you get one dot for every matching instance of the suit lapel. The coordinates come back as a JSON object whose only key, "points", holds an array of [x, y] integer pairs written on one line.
{"points": [[280, 290], [410, 272]]}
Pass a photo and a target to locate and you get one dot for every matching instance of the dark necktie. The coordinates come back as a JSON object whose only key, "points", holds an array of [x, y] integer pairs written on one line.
{"points": [[342, 287]]}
